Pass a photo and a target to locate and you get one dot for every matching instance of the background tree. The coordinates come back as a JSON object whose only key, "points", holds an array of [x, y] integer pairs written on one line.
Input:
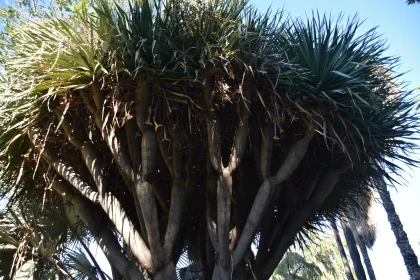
{"points": [[409, 257], [295, 267], [354, 253], [197, 127], [343, 255], [364, 230], [316, 259], [45, 245]]}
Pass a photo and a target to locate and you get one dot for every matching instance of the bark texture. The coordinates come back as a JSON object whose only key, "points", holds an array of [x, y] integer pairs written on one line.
{"points": [[176, 183], [366, 259], [354, 253], [343, 255], [410, 258]]}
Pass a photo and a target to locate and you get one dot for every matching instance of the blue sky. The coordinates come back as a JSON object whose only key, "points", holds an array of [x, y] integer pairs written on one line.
{"points": [[399, 24]]}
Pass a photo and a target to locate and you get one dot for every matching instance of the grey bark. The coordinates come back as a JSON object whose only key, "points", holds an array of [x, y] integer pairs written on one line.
{"points": [[354, 253], [266, 191], [366, 259], [410, 258], [105, 238]]}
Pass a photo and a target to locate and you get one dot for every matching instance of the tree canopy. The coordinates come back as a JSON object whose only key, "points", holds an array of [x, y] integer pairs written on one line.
{"points": [[409, 2], [197, 127]]}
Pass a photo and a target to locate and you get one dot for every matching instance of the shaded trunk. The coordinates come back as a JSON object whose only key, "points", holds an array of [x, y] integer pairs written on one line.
{"points": [[354, 253], [366, 259], [115, 274], [410, 258], [343, 255]]}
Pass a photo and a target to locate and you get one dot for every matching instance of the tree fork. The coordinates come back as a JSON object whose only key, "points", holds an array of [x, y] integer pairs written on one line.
{"points": [[109, 134], [177, 197], [92, 161], [110, 204], [296, 221], [266, 191], [106, 240], [161, 255]]}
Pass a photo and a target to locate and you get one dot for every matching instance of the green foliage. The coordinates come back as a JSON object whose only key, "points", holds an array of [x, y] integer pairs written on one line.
{"points": [[316, 73], [44, 243], [319, 260], [320, 61], [295, 266]]}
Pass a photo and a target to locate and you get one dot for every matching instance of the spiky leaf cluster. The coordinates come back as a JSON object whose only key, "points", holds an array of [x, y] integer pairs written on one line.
{"points": [[308, 74]]}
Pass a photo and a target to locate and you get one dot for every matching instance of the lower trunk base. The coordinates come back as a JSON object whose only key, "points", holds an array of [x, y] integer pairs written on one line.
{"points": [[221, 273], [166, 273]]}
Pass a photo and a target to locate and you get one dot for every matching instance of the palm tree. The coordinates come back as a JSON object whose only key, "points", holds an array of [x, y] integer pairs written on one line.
{"points": [[342, 251], [154, 118], [409, 257], [354, 253], [364, 230], [45, 244]]}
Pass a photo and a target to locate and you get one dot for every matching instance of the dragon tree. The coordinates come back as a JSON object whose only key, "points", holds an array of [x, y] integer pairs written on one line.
{"points": [[199, 129]]}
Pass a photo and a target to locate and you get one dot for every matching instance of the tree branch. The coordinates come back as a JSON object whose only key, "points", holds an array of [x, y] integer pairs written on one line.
{"points": [[62, 167], [211, 186], [164, 146], [106, 240], [213, 126], [224, 193], [265, 192], [134, 143], [295, 223], [177, 197], [266, 150], [241, 135], [109, 135], [224, 182], [144, 189], [111, 205]]}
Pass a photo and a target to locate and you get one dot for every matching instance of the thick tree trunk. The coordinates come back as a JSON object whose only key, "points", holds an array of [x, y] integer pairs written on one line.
{"points": [[410, 258], [115, 274], [106, 240], [366, 259], [152, 224], [343, 255], [354, 253]]}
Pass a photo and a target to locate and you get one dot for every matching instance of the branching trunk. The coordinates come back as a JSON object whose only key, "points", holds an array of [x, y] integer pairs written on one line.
{"points": [[161, 255], [177, 198], [266, 191], [299, 218], [109, 203], [151, 223], [224, 267], [106, 239]]}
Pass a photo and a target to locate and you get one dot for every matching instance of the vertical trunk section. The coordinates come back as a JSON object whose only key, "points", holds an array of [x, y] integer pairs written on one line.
{"points": [[366, 259], [343, 255], [354, 253], [410, 258]]}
